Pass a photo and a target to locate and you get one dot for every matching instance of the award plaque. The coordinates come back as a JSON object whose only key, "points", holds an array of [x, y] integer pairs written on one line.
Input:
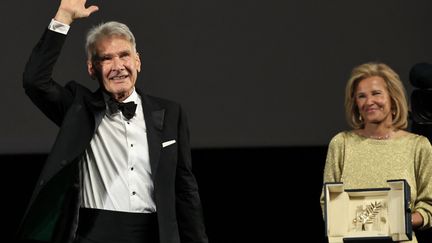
{"points": [[368, 215]]}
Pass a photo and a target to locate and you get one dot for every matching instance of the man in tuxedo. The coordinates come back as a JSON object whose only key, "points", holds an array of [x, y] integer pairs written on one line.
{"points": [[120, 168]]}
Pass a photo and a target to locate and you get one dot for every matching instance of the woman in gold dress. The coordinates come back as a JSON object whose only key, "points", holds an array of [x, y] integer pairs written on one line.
{"points": [[378, 148]]}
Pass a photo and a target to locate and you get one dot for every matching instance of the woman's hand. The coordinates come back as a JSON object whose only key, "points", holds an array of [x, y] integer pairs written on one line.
{"points": [[416, 220]]}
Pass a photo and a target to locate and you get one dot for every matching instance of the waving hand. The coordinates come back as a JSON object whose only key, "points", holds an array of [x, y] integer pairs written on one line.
{"points": [[69, 10]]}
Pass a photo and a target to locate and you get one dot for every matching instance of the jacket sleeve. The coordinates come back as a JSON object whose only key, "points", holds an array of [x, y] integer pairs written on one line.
{"points": [[188, 204], [50, 97]]}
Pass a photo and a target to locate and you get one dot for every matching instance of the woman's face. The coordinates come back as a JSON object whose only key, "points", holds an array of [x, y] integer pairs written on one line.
{"points": [[373, 101]]}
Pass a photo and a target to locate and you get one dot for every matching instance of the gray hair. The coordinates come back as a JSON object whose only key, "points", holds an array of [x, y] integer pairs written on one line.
{"points": [[105, 30]]}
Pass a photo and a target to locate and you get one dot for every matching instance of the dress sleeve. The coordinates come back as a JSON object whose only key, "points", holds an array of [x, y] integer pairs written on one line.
{"points": [[334, 162], [423, 170]]}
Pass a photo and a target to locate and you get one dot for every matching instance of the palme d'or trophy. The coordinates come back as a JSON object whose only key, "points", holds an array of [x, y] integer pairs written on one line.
{"points": [[368, 215]]}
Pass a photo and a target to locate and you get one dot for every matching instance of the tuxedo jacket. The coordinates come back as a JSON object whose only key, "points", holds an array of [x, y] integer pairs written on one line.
{"points": [[53, 211]]}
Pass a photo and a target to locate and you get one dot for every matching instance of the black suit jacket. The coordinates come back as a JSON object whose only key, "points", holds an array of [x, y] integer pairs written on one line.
{"points": [[53, 210]]}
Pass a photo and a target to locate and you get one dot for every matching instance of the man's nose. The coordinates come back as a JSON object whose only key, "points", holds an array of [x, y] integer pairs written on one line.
{"points": [[117, 63]]}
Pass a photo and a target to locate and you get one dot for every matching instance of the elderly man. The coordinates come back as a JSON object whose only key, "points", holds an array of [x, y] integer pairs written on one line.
{"points": [[120, 169]]}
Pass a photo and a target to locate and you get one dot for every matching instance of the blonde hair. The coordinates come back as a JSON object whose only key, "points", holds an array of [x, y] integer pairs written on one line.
{"points": [[395, 88]]}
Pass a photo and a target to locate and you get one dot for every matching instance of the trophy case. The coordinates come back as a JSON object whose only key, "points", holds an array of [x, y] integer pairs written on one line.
{"points": [[368, 215]]}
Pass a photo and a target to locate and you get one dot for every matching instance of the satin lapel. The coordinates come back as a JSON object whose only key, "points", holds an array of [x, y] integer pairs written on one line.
{"points": [[154, 119], [96, 105]]}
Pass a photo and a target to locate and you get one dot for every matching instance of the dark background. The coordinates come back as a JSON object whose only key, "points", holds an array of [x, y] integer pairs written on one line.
{"points": [[265, 195], [262, 83], [249, 73]]}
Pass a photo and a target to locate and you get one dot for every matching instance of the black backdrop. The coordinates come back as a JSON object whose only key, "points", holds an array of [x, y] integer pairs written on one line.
{"points": [[248, 194], [249, 73], [266, 195]]}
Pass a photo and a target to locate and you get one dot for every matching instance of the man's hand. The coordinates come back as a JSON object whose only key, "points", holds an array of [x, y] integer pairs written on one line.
{"points": [[70, 10]]}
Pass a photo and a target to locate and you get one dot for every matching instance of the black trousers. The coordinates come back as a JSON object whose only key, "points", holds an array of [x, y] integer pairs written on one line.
{"points": [[105, 226]]}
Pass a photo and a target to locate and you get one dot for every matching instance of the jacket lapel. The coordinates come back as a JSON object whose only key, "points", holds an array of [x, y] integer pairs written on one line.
{"points": [[154, 119], [96, 105]]}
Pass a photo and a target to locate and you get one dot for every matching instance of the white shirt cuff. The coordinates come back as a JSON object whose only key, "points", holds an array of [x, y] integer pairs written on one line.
{"points": [[58, 27]]}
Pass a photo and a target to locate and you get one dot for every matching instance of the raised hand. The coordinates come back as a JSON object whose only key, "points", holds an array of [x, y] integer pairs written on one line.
{"points": [[69, 10]]}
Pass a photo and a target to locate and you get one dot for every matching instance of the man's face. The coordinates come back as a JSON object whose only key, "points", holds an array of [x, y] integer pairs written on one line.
{"points": [[116, 66]]}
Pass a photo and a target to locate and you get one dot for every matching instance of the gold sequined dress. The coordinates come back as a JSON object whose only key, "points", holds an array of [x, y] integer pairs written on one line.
{"points": [[361, 162]]}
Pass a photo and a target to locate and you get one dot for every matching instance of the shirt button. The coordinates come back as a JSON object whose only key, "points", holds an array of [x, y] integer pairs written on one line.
{"points": [[131, 145], [133, 193], [132, 168], [128, 122]]}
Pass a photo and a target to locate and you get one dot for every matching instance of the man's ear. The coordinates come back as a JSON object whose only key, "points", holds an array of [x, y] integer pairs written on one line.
{"points": [[91, 69], [138, 61]]}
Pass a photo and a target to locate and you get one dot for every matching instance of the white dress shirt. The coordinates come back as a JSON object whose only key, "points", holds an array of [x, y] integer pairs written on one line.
{"points": [[58, 27], [116, 172]]}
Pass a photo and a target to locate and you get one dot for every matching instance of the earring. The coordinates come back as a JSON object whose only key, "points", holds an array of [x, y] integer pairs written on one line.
{"points": [[360, 118]]}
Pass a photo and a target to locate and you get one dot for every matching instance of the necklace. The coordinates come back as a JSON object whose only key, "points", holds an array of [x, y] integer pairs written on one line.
{"points": [[383, 137]]}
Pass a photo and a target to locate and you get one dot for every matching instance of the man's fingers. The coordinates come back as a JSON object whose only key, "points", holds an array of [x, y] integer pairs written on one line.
{"points": [[92, 9], [86, 12]]}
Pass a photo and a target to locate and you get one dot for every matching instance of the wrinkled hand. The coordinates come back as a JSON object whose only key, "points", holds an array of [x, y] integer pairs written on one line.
{"points": [[69, 10], [416, 220]]}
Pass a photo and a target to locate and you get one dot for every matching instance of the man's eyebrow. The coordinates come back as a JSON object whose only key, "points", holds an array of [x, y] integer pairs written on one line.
{"points": [[124, 52]]}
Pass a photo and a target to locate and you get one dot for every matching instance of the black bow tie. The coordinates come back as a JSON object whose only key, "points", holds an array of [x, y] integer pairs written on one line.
{"points": [[128, 108]]}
